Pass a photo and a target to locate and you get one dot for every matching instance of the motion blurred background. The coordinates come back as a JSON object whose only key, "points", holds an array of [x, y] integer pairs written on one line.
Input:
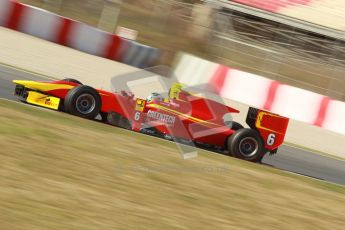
{"points": [[297, 42]]}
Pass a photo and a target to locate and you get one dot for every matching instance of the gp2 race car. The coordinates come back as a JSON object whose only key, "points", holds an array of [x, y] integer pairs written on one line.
{"points": [[182, 116]]}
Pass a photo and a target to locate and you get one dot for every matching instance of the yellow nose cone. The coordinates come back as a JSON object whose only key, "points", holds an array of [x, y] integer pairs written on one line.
{"points": [[28, 84], [22, 82], [42, 86]]}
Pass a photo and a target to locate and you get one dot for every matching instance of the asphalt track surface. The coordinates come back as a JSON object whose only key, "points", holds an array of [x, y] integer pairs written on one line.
{"points": [[289, 158]]}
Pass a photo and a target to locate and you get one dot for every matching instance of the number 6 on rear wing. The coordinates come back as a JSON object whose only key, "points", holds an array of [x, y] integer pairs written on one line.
{"points": [[271, 127]]}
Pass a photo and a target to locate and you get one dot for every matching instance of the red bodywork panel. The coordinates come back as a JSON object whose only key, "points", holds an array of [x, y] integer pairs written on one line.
{"points": [[272, 128], [190, 117]]}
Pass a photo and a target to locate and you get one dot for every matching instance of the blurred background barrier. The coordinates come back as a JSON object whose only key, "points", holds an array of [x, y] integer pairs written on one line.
{"points": [[328, 13], [74, 34], [251, 89]]}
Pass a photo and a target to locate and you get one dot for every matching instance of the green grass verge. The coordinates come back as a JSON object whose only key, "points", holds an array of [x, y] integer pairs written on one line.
{"points": [[62, 172]]}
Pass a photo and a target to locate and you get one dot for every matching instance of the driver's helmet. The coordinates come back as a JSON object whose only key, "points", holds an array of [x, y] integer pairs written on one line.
{"points": [[154, 96]]}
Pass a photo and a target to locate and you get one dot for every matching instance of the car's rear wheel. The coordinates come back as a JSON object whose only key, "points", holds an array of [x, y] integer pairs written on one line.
{"points": [[246, 144], [234, 125], [83, 101]]}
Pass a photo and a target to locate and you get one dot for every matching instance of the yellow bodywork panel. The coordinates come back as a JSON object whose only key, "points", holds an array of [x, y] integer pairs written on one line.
{"points": [[43, 100], [42, 86], [140, 105]]}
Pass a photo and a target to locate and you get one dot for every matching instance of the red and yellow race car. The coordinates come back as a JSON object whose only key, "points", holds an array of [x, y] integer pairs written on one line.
{"points": [[182, 116]]}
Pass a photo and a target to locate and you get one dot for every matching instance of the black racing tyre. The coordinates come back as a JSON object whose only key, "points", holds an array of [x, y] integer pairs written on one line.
{"points": [[118, 120], [83, 101], [72, 80], [246, 144], [234, 125]]}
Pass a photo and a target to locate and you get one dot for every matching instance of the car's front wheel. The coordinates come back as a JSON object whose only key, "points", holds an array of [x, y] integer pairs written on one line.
{"points": [[72, 80], [83, 101], [246, 144]]}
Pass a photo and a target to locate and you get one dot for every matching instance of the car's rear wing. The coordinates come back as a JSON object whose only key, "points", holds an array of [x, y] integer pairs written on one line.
{"points": [[272, 127]]}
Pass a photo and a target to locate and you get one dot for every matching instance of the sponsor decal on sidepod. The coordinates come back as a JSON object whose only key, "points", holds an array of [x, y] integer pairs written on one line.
{"points": [[161, 117]]}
